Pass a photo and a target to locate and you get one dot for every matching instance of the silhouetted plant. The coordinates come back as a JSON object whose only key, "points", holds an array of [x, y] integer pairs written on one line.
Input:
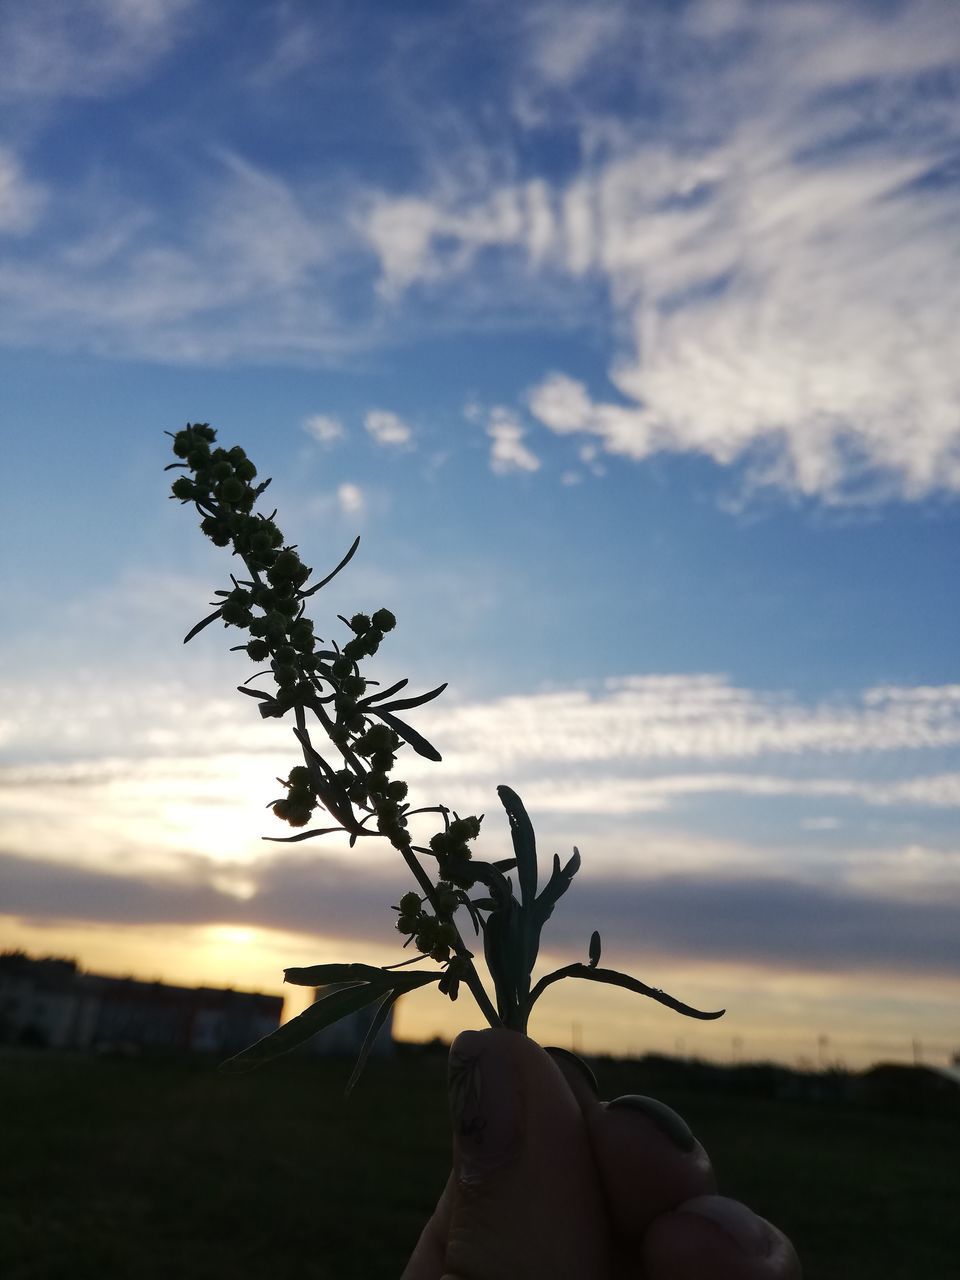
{"points": [[351, 780]]}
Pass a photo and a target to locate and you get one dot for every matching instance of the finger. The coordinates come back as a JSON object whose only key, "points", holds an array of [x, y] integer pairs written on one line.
{"points": [[426, 1261], [648, 1160], [527, 1201], [721, 1239]]}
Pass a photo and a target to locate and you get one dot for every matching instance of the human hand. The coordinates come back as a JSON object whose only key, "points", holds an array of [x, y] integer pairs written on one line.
{"points": [[548, 1183]]}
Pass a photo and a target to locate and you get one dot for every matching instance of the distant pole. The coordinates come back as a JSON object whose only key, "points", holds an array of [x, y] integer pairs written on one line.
{"points": [[576, 1038], [917, 1052]]}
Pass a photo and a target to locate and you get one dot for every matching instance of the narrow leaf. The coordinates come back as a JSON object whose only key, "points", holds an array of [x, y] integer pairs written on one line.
{"points": [[524, 844], [255, 693], [303, 835], [556, 887], [333, 573], [382, 693], [416, 740], [379, 1018], [404, 704], [594, 952], [617, 979], [321, 975], [205, 622], [322, 1013]]}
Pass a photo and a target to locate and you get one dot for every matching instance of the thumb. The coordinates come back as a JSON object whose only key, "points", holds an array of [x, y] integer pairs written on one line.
{"points": [[525, 1198]]}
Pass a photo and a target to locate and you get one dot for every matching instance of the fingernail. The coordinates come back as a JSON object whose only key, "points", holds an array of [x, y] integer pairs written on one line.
{"points": [[564, 1056], [748, 1231], [484, 1105], [666, 1120]]}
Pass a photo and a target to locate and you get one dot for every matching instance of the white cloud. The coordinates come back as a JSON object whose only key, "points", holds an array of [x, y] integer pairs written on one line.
{"points": [[323, 428], [351, 499], [387, 428], [508, 452]]}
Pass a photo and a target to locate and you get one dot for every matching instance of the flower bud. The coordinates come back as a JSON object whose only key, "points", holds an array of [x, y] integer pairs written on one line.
{"points": [[258, 650], [410, 903], [183, 442], [384, 620], [230, 490], [183, 488], [299, 815], [236, 614], [359, 623], [285, 566]]}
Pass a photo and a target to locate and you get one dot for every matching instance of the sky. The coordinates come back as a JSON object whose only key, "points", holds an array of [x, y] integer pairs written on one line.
{"points": [[625, 335]]}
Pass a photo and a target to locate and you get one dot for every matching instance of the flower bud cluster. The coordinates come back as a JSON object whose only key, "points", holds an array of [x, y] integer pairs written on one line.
{"points": [[270, 607], [298, 804], [457, 969], [453, 851], [432, 935]]}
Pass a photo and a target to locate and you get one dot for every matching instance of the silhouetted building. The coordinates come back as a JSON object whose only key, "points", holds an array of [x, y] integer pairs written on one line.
{"points": [[50, 1003]]}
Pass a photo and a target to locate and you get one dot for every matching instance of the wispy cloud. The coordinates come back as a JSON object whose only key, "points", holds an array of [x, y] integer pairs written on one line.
{"points": [[87, 51], [21, 200], [740, 251]]}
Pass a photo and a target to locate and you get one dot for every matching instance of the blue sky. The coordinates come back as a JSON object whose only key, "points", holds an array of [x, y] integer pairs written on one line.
{"points": [[625, 336]]}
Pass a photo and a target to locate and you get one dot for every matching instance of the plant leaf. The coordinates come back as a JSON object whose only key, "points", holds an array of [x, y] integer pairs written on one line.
{"points": [[556, 887], [617, 979], [303, 835], [254, 693], [379, 1018], [322, 1013], [594, 951], [321, 975], [381, 693], [404, 704], [333, 573], [524, 844], [204, 622], [416, 740]]}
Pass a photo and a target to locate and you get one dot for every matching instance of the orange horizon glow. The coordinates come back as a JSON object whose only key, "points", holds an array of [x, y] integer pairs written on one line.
{"points": [[801, 1020]]}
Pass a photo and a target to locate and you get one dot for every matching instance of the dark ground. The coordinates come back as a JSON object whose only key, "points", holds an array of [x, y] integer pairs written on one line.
{"points": [[117, 1170]]}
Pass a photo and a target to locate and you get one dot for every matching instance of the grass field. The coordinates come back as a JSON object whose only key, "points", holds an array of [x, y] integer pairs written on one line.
{"points": [[129, 1169]]}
